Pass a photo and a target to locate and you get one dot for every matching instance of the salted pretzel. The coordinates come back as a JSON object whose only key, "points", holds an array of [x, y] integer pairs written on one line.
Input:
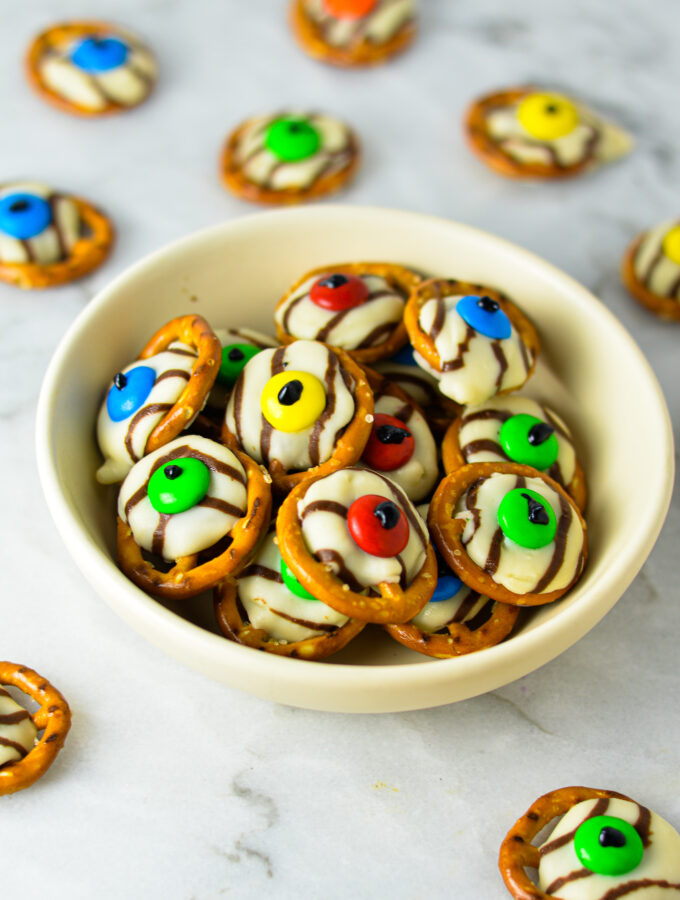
{"points": [[52, 718], [358, 307], [72, 239], [526, 132], [90, 68], [353, 540], [289, 157], [324, 429], [650, 269], [224, 517], [526, 532], [515, 429], [452, 326], [288, 620], [353, 32], [630, 848]]}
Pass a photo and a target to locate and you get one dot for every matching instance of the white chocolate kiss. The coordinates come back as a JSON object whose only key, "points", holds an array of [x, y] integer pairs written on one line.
{"points": [[349, 329], [194, 529], [259, 165], [656, 271], [593, 139], [18, 739], [327, 530], [481, 375], [276, 610], [179, 358], [520, 569], [126, 85], [56, 241], [474, 428], [245, 420], [378, 27], [661, 860]]}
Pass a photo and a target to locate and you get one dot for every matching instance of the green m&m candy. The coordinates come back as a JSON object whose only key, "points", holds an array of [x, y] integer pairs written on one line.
{"points": [[608, 845], [293, 584], [529, 441], [527, 518], [291, 139], [178, 485], [234, 358]]}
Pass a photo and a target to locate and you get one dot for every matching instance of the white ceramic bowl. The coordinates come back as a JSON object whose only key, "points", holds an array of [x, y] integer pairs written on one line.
{"points": [[591, 371]]}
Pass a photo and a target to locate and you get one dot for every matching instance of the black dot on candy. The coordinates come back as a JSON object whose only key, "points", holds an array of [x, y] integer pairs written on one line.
{"points": [[611, 837], [488, 305], [173, 472], [392, 434], [539, 433], [537, 514], [19, 206], [290, 393], [387, 513], [334, 281], [552, 108], [235, 355], [294, 127], [119, 380]]}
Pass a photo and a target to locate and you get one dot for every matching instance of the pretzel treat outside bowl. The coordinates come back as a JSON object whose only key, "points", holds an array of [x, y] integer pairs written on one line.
{"points": [[197, 504], [289, 157], [355, 541], [266, 608], [603, 846], [509, 532], [353, 32], [47, 237], [515, 429], [526, 132], [25, 757], [318, 420], [650, 269], [473, 339], [90, 68], [358, 307]]}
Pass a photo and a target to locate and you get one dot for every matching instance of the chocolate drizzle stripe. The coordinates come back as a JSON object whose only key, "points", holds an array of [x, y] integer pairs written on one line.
{"points": [[158, 540], [560, 546], [484, 414], [642, 824], [576, 875], [238, 405], [328, 555], [285, 321], [599, 808], [524, 350], [324, 333], [14, 718], [482, 445], [53, 201], [330, 506], [417, 380], [6, 742], [494, 554], [373, 337], [402, 574], [450, 365], [150, 410], [304, 623], [26, 244], [276, 367], [4, 693], [229, 509], [173, 373], [476, 519], [464, 607], [255, 570], [178, 351], [481, 617], [502, 361], [471, 496], [630, 886], [328, 410], [408, 510]]}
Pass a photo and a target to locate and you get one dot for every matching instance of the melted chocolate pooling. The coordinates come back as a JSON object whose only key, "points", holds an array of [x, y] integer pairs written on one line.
{"points": [[120, 380], [392, 434], [387, 513], [488, 305], [539, 433], [290, 393], [537, 514]]}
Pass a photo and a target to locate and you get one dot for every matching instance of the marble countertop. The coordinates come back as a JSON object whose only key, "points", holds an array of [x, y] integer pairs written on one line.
{"points": [[172, 786]]}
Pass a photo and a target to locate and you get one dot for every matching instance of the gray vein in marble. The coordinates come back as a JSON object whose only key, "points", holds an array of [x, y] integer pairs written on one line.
{"points": [[524, 715]]}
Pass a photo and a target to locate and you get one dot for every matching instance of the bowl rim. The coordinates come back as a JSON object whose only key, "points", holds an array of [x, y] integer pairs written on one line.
{"points": [[182, 638]]}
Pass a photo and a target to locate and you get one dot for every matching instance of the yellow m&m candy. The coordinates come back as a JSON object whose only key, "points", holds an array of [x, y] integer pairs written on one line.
{"points": [[547, 116], [292, 401]]}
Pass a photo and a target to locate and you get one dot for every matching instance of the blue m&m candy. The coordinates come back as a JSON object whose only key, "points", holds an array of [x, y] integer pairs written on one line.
{"points": [[128, 392], [447, 587], [485, 316], [24, 216], [94, 54]]}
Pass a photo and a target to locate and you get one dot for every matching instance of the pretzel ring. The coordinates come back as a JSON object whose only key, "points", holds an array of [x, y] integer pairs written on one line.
{"points": [[189, 577], [362, 347], [53, 718], [89, 252], [447, 533], [666, 307], [517, 851], [393, 604], [59, 38]]}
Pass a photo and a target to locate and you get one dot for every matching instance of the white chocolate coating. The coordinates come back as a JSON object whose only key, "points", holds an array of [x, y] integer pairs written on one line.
{"points": [[593, 139], [472, 367], [480, 428], [123, 443], [656, 271], [276, 610], [126, 85], [294, 450], [520, 569], [326, 530], [462, 607], [195, 529], [362, 326], [18, 734], [660, 863], [378, 27], [259, 165], [56, 241]]}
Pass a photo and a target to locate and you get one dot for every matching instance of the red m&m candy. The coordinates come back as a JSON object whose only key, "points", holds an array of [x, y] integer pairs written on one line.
{"points": [[349, 9], [377, 526], [390, 445], [339, 292]]}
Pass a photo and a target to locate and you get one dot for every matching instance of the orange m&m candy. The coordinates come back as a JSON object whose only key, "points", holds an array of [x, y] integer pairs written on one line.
{"points": [[350, 9]]}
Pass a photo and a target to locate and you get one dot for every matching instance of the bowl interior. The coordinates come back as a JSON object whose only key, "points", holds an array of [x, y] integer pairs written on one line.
{"points": [[590, 371]]}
